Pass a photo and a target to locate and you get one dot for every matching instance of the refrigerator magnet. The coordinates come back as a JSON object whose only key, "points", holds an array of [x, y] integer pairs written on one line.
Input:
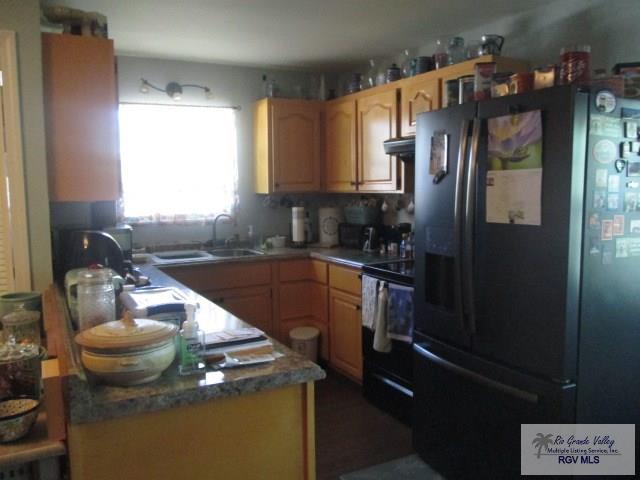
{"points": [[607, 255], [601, 178], [618, 225], [634, 227], [633, 169], [607, 230], [622, 248], [620, 164], [594, 221], [613, 201], [630, 202], [605, 101], [599, 199], [438, 163], [633, 246], [605, 151], [613, 184]]}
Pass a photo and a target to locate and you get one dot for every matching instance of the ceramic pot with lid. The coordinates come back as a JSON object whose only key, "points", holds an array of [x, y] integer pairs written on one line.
{"points": [[128, 351]]}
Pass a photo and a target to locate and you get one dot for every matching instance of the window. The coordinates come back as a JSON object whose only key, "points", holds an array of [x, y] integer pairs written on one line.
{"points": [[178, 163]]}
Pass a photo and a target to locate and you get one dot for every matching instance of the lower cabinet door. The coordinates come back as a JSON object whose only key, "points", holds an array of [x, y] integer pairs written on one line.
{"points": [[345, 331], [253, 305]]}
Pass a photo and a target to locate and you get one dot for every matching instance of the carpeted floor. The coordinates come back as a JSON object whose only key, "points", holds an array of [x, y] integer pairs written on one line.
{"points": [[405, 468]]}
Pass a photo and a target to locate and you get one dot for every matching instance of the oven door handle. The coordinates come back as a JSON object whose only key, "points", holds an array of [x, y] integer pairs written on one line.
{"points": [[475, 377]]}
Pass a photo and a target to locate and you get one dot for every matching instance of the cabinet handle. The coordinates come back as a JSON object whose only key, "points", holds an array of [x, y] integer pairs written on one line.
{"points": [[358, 307], [353, 184], [219, 300], [277, 185], [359, 276]]}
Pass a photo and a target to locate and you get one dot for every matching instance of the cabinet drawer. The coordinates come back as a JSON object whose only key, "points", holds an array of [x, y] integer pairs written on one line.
{"points": [[221, 276], [252, 305], [346, 279], [304, 269]]}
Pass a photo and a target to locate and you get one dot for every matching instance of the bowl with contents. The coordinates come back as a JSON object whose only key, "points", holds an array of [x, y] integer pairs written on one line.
{"points": [[17, 416], [131, 351]]}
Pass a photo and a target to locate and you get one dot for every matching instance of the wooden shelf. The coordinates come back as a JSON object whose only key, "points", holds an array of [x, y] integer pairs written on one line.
{"points": [[35, 446]]}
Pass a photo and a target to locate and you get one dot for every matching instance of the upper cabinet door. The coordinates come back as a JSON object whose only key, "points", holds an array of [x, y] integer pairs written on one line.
{"points": [[81, 115], [295, 138], [340, 146], [377, 121], [416, 96]]}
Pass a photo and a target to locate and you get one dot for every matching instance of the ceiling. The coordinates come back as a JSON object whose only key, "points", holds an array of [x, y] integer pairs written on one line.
{"points": [[306, 34]]}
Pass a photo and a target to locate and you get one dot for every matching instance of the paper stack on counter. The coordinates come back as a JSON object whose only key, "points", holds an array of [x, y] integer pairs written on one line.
{"points": [[240, 346]]}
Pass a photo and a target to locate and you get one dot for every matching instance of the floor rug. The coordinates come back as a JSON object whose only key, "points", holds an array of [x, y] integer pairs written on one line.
{"points": [[405, 468]]}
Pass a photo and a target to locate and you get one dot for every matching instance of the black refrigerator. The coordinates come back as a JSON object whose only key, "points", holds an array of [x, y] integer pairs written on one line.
{"points": [[534, 321]]}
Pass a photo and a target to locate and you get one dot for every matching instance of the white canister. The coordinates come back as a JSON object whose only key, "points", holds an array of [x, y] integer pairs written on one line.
{"points": [[297, 225], [328, 219]]}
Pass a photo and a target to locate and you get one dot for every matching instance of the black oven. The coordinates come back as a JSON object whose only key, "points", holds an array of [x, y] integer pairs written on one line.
{"points": [[388, 377]]}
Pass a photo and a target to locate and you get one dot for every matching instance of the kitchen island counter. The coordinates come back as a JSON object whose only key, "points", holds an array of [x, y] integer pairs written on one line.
{"points": [[188, 426]]}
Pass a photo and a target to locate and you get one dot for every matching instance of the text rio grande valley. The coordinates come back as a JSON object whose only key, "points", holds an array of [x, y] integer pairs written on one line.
{"points": [[582, 450]]}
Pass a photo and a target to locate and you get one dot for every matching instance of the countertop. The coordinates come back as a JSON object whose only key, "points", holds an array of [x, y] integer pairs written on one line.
{"points": [[91, 402], [345, 256]]}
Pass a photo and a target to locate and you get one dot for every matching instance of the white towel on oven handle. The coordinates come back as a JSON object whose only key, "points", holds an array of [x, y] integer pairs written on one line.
{"points": [[381, 340], [369, 301]]}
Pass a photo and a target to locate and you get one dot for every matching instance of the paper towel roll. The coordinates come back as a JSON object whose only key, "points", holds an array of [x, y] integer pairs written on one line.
{"points": [[297, 224]]}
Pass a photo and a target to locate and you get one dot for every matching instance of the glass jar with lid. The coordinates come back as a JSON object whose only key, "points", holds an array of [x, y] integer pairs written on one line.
{"points": [[441, 56], [456, 50], [96, 298], [23, 326]]}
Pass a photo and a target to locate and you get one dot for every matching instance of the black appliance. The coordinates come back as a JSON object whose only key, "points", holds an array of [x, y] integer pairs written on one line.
{"points": [[352, 235], [525, 323], [387, 378], [403, 147], [123, 234], [81, 248]]}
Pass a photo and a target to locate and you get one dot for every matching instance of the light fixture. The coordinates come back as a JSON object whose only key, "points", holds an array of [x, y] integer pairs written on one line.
{"points": [[173, 89]]}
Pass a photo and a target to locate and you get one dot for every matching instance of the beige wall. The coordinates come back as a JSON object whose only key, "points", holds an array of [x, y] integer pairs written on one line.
{"points": [[23, 17]]}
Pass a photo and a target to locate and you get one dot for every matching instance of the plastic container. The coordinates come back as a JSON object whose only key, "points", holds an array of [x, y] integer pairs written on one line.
{"points": [[304, 340], [96, 298], [361, 214], [191, 345]]}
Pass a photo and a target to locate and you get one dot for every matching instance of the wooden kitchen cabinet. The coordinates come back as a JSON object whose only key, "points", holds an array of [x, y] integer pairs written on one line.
{"points": [[287, 146], [81, 118], [417, 94], [340, 146], [253, 305], [243, 288], [302, 300], [345, 329], [377, 121], [345, 320]]}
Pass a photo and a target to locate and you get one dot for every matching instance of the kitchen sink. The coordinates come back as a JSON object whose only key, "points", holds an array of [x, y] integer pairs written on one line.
{"points": [[234, 252], [180, 255]]}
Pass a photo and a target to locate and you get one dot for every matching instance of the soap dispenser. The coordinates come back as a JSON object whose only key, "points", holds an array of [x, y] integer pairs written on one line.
{"points": [[191, 344]]}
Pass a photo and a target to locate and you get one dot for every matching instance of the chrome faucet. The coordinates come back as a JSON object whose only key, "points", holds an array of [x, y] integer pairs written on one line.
{"points": [[214, 238], [368, 244]]}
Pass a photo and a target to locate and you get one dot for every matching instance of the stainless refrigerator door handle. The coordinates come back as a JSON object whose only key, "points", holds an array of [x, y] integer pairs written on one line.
{"points": [[457, 221], [468, 294], [476, 377]]}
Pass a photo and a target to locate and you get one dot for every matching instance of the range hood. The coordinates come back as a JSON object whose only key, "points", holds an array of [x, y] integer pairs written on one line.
{"points": [[403, 147]]}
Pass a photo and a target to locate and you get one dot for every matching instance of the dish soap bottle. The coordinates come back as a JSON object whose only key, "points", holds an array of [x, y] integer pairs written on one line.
{"points": [[191, 344]]}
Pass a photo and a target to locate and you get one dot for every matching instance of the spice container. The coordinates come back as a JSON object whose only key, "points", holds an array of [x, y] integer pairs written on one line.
{"points": [[452, 96], [500, 84], [544, 77], [520, 82], [482, 80], [466, 88], [575, 64]]}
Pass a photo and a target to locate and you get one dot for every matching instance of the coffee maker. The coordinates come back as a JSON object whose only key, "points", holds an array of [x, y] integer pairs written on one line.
{"points": [[82, 248]]}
